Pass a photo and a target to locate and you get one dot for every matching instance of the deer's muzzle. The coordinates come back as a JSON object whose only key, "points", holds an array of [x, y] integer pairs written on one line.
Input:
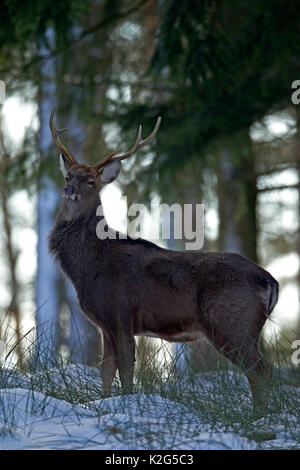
{"points": [[71, 193]]}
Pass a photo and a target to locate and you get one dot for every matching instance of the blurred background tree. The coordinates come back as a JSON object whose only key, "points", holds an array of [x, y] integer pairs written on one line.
{"points": [[219, 73]]}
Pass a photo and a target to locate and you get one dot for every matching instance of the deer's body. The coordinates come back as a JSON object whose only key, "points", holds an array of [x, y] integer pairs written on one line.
{"points": [[131, 287]]}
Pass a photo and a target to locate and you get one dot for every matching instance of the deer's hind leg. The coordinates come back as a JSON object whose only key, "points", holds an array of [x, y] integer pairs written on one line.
{"points": [[259, 375], [236, 336], [256, 368]]}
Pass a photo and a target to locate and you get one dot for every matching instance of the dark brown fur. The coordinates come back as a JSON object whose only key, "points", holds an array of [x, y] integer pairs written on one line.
{"points": [[129, 287]]}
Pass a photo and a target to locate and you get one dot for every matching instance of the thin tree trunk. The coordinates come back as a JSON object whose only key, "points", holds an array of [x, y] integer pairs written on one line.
{"points": [[297, 158], [11, 256]]}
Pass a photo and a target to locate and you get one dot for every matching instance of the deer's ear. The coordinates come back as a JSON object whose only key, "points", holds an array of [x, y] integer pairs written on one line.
{"points": [[65, 164], [110, 172]]}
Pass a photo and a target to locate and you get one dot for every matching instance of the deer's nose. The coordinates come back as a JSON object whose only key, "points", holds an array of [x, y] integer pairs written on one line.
{"points": [[69, 190]]}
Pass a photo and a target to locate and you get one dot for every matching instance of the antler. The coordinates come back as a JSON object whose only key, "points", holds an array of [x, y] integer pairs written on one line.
{"points": [[138, 144], [56, 139]]}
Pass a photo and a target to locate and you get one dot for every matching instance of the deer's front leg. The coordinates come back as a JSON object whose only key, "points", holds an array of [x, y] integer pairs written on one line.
{"points": [[125, 345], [108, 366]]}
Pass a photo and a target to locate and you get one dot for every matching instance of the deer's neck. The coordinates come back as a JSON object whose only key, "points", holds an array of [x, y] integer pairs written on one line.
{"points": [[75, 242], [70, 211]]}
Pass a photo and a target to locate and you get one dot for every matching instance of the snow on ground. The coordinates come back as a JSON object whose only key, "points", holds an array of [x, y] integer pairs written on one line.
{"points": [[31, 419], [132, 422]]}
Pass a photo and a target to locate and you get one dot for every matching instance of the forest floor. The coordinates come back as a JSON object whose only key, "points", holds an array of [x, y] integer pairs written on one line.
{"points": [[62, 408]]}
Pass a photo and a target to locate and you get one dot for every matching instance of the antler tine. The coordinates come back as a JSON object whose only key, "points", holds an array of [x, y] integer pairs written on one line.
{"points": [[105, 160], [134, 148], [56, 139], [138, 144]]}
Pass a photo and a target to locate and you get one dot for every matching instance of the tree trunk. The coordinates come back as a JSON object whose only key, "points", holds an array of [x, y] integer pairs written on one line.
{"points": [[200, 355], [237, 196], [47, 273], [84, 341]]}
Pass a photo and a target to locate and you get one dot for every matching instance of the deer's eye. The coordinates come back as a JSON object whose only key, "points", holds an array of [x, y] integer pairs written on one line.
{"points": [[91, 182]]}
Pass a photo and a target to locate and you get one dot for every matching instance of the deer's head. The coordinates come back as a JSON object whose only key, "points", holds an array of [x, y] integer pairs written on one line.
{"points": [[83, 182]]}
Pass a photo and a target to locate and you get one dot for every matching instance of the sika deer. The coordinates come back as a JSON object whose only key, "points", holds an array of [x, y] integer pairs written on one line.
{"points": [[131, 287]]}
